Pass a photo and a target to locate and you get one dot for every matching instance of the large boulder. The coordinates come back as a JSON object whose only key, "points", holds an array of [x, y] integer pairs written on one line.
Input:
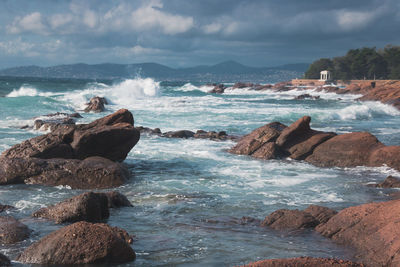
{"points": [[96, 104], [90, 207], [12, 231], [93, 172], [346, 150], [372, 229], [111, 137], [304, 261], [250, 143], [4, 261], [117, 200], [388, 155], [290, 219], [81, 243]]}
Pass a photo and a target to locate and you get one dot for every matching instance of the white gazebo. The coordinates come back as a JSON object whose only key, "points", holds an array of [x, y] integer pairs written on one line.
{"points": [[325, 75]]}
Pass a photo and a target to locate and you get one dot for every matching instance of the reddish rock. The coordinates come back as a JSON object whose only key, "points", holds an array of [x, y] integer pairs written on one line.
{"points": [[297, 132], [240, 85], [120, 116], [90, 207], [303, 262], [80, 243], [96, 104], [12, 231], [389, 155], [269, 151], [249, 144], [389, 182], [346, 150], [289, 219], [303, 149], [93, 172], [372, 229], [322, 214]]}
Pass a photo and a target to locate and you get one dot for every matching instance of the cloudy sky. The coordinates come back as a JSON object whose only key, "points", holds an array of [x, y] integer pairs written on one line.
{"points": [[182, 33]]}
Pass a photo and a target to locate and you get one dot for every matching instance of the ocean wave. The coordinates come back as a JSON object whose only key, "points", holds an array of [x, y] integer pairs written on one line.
{"points": [[188, 87], [26, 91], [365, 110]]}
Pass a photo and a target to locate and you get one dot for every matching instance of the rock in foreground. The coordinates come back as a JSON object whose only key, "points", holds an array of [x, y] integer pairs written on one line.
{"points": [[81, 243], [302, 262], [372, 229], [12, 231], [4, 261]]}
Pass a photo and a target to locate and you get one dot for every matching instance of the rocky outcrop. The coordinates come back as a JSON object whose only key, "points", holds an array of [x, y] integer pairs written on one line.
{"points": [[81, 243], [218, 89], [12, 231], [5, 207], [51, 122], [285, 219], [389, 182], [300, 142], [96, 104], [92, 172], [372, 229], [304, 261], [4, 261], [306, 96], [89, 206], [179, 134]]}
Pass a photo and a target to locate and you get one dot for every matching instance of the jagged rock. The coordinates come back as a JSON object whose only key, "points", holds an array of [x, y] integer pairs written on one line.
{"points": [[81, 243], [218, 89], [389, 182], [4, 261], [179, 134], [92, 172], [269, 151], [96, 104], [322, 214], [290, 219], [303, 149], [304, 262], [90, 207], [5, 207], [12, 231], [116, 200]]}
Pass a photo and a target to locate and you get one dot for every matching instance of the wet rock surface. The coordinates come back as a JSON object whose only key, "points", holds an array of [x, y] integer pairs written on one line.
{"points": [[5, 207], [372, 229], [218, 89], [302, 262], [389, 182], [4, 261], [96, 104], [81, 243], [12, 231]]}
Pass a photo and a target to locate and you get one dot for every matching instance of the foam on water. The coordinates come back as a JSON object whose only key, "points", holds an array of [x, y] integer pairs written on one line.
{"points": [[27, 91]]}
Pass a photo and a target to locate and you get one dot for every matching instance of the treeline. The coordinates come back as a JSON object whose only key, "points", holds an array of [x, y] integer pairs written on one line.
{"points": [[358, 64]]}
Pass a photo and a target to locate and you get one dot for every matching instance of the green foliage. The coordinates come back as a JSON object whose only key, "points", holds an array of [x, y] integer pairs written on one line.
{"points": [[358, 64]]}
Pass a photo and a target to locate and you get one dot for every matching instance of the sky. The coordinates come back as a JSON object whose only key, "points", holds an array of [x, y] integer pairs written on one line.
{"points": [[183, 33]]}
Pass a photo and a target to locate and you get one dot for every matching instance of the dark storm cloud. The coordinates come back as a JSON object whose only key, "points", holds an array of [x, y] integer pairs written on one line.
{"points": [[181, 32]]}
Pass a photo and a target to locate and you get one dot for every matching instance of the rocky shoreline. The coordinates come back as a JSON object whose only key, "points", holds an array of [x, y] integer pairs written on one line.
{"points": [[90, 156]]}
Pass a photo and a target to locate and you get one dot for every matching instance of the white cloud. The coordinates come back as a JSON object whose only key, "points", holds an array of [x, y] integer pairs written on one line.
{"points": [[18, 47], [350, 20], [90, 19], [59, 20], [150, 16], [212, 28], [29, 23]]}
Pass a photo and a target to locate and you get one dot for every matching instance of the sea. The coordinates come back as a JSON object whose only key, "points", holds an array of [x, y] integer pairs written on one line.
{"points": [[189, 194]]}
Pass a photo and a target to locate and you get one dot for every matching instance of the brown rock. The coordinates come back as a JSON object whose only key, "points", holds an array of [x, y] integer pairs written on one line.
{"points": [[93, 172], [116, 200], [346, 150], [297, 132], [179, 134], [240, 85], [303, 262], [120, 116], [269, 151], [322, 214], [12, 231], [390, 182], [90, 207], [80, 243], [4, 261], [218, 89], [372, 229], [96, 104], [249, 144], [389, 155], [303, 149], [289, 219], [5, 207]]}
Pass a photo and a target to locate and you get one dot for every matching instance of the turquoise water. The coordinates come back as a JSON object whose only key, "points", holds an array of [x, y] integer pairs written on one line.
{"points": [[188, 193]]}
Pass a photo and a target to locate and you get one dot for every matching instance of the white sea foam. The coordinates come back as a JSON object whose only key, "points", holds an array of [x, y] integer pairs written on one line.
{"points": [[364, 110], [27, 91]]}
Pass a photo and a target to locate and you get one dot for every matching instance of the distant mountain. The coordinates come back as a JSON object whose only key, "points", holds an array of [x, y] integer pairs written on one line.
{"points": [[228, 71]]}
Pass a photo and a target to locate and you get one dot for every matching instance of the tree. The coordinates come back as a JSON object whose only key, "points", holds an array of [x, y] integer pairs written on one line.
{"points": [[316, 67]]}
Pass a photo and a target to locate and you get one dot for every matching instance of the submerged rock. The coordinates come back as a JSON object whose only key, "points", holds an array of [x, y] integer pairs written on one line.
{"points": [[389, 182], [81, 243], [5, 207], [304, 261], [96, 104], [12, 231], [218, 89], [179, 134], [372, 229]]}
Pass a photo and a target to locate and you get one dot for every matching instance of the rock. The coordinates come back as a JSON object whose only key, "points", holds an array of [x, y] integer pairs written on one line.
{"points": [[92, 172], [5, 207], [96, 104], [290, 219], [147, 130], [90, 207], [306, 96], [390, 182], [179, 134], [54, 120], [80, 243], [269, 151], [262, 87], [116, 200], [389, 155], [322, 214], [303, 149], [218, 89], [297, 132], [111, 137], [4, 261], [371, 229], [249, 144], [240, 85], [346, 150], [302, 262], [218, 136], [12, 231]]}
